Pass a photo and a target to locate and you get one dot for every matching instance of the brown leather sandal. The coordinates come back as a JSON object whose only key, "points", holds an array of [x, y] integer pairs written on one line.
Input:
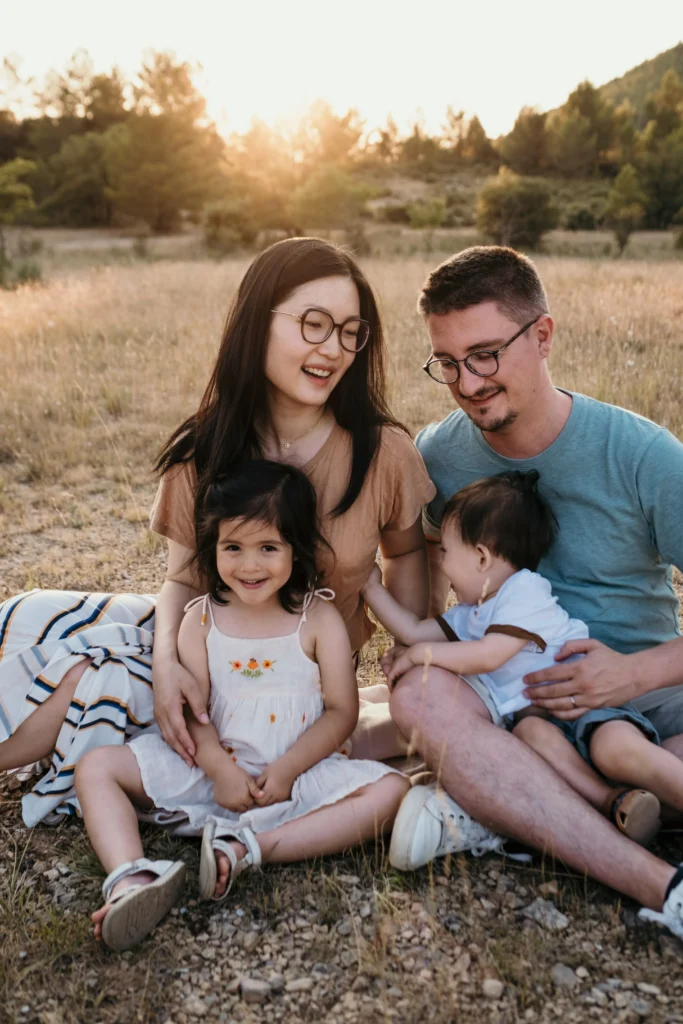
{"points": [[635, 812]]}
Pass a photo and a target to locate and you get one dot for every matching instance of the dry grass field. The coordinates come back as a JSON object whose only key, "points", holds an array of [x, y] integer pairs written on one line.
{"points": [[96, 368]]}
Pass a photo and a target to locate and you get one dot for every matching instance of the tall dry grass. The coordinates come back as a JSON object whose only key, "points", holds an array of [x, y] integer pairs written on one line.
{"points": [[97, 368]]}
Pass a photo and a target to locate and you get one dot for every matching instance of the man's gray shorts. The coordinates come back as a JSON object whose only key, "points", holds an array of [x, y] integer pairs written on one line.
{"points": [[664, 708]]}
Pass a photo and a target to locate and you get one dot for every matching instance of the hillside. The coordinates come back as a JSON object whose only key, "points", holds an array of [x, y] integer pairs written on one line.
{"points": [[637, 83]]}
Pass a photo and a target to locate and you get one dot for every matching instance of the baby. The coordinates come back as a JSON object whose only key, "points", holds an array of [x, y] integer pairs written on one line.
{"points": [[508, 623]]}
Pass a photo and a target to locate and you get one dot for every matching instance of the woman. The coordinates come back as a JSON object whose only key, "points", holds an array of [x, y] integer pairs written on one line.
{"points": [[299, 378]]}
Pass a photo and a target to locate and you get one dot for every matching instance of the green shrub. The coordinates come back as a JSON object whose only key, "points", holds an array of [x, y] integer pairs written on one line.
{"points": [[330, 198], [28, 272], [515, 211], [228, 224], [394, 213], [427, 213], [580, 218]]}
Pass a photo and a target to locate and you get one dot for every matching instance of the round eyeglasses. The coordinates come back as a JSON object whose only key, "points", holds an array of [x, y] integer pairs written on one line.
{"points": [[317, 325], [483, 363]]}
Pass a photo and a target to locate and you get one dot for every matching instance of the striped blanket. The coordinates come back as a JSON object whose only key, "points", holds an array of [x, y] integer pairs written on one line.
{"points": [[42, 635]]}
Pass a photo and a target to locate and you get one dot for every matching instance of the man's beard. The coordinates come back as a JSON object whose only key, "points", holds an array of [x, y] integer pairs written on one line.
{"points": [[498, 424], [501, 423]]}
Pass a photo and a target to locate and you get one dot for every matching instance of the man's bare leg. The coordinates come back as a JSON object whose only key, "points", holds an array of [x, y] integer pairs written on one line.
{"points": [[504, 785], [37, 735]]}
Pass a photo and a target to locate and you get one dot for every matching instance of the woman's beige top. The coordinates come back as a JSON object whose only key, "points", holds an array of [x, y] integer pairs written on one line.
{"points": [[395, 489]]}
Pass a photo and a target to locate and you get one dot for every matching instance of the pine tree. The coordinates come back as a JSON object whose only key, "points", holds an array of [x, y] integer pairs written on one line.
{"points": [[625, 207]]}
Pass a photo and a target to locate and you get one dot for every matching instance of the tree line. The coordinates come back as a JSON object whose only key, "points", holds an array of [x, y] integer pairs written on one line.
{"points": [[101, 150]]}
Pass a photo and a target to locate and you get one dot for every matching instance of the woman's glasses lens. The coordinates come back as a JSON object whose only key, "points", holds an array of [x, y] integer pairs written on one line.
{"points": [[317, 326]]}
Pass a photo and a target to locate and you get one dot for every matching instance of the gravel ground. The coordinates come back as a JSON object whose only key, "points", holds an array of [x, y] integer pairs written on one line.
{"points": [[345, 939]]}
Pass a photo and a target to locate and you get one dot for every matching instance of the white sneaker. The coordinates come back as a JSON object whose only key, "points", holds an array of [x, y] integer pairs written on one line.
{"points": [[671, 916], [431, 824]]}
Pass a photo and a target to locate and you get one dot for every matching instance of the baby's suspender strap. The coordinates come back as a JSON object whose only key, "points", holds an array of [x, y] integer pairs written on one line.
{"points": [[325, 594], [206, 604]]}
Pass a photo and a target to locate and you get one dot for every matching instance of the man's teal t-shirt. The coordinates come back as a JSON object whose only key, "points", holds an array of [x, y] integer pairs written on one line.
{"points": [[615, 483]]}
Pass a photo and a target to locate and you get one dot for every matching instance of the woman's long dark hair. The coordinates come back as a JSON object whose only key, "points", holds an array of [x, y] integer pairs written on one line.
{"points": [[223, 430], [266, 492]]}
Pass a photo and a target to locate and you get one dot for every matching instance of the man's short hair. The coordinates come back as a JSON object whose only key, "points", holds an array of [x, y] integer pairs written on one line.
{"points": [[485, 273], [507, 514]]}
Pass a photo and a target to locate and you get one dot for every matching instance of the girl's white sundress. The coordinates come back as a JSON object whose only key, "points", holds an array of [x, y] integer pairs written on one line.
{"points": [[265, 693]]}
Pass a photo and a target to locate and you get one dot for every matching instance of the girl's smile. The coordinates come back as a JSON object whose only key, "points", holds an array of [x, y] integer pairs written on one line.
{"points": [[252, 560]]}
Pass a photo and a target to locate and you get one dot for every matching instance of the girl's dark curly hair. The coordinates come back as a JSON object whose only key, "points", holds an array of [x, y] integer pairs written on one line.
{"points": [[268, 492]]}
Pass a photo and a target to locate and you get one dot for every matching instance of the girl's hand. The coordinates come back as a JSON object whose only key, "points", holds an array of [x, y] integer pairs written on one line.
{"points": [[275, 781], [373, 579], [236, 790], [173, 687]]}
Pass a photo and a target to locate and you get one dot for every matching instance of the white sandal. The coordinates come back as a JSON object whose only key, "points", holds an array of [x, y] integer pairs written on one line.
{"points": [[208, 871], [136, 910]]}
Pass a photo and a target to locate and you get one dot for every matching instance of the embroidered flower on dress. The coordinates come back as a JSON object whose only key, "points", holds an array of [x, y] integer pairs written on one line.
{"points": [[272, 717], [252, 669]]}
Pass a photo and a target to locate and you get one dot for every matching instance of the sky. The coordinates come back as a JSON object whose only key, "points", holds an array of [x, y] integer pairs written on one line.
{"points": [[271, 60]]}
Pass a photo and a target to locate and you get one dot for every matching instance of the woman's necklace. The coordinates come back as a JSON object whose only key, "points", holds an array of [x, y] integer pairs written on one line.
{"points": [[300, 437]]}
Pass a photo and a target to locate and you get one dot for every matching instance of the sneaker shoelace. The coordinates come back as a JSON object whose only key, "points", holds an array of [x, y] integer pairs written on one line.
{"points": [[461, 832]]}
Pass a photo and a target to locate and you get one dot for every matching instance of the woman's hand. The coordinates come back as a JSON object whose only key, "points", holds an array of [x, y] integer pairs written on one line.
{"points": [[275, 781], [235, 789], [567, 690], [174, 686]]}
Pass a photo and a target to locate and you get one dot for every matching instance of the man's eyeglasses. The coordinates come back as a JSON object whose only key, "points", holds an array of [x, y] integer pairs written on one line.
{"points": [[483, 363], [317, 325]]}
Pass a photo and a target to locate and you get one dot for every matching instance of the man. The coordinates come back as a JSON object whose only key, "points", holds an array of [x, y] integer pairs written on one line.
{"points": [[615, 482]]}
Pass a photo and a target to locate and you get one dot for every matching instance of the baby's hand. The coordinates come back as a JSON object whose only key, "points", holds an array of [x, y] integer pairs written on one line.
{"points": [[236, 790], [275, 781], [373, 579], [414, 655]]}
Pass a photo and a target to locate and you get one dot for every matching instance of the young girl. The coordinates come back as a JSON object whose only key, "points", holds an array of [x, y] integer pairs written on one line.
{"points": [[494, 533], [273, 657]]}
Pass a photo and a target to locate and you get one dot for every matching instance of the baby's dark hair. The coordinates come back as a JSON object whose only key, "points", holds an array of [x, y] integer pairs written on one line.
{"points": [[268, 492], [508, 515]]}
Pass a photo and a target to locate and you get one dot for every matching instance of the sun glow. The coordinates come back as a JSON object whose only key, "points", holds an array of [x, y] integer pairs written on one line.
{"points": [[272, 61]]}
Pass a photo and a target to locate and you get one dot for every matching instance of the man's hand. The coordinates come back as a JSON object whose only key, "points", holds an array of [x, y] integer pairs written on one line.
{"points": [[601, 679], [275, 782], [173, 687], [235, 789]]}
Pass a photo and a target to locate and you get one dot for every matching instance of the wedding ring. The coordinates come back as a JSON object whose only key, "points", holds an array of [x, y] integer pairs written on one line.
{"points": [[573, 700]]}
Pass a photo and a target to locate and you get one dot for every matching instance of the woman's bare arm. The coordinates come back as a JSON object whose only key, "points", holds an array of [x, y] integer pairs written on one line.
{"points": [[404, 566], [173, 684]]}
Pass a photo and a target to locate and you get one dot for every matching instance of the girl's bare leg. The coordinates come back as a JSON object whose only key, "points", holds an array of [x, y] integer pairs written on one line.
{"points": [[549, 743], [37, 735], [365, 814], [624, 753], [109, 787]]}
